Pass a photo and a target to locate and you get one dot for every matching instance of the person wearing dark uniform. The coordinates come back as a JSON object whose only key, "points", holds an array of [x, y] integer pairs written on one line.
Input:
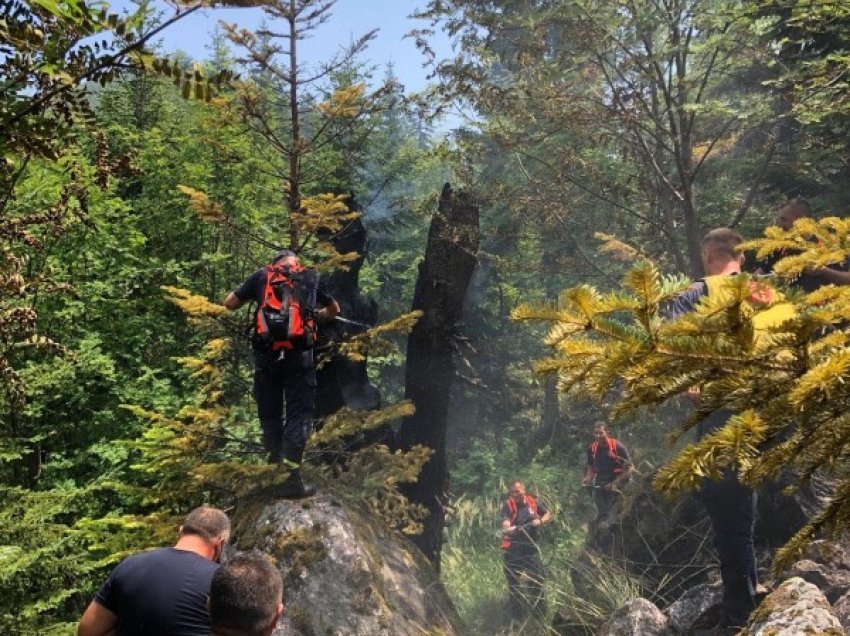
{"points": [[608, 466], [522, 516], [162, 591], [731, 505], [811, 279], [285, 374]]}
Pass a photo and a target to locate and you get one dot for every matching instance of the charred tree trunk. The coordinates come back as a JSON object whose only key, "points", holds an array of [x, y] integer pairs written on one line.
{"points": [[342, 381], [444, 276]]}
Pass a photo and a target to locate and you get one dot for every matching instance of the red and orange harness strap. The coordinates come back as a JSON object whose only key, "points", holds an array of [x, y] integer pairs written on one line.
{"points": [[612, 451], [529, 502]]}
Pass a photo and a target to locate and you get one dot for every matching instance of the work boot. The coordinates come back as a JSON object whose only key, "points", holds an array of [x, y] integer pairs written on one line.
{"points": [[293, 487]]}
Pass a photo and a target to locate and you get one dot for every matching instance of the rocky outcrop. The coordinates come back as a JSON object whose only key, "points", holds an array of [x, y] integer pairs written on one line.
{"points": [[834, 583], [638, 617], [344, 573], [665, 547], [795, 608]]}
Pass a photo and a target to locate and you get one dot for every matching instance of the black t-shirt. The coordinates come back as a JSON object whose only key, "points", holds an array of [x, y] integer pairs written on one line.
{"points": [[160, 592], [606, 465], [528, 535], [684, 303]]}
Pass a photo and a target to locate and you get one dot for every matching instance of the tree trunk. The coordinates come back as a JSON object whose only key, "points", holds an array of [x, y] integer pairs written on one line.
{"points": [[444, 275], [341, 381]]}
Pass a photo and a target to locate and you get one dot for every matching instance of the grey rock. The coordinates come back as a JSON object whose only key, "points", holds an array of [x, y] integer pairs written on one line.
{"points": [[834, 583], [345, 574], [795, 608], [692, 606], [833, 554], [638, 617], [841, 609]]}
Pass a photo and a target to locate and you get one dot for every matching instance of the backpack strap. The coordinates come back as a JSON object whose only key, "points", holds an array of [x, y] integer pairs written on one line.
{"points": [[612, 451], [530, 503]]}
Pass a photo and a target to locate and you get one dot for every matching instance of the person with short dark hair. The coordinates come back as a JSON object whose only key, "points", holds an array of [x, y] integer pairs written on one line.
{"points": [[162, 591], [811, 279], [608, 467], [731, 505], [522, 516], [246, 596], [284, 369]]}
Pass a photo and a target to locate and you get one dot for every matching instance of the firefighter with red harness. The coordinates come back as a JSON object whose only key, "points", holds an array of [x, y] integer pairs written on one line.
{"points": [[608, 467], [290, 301], [522, 516]]}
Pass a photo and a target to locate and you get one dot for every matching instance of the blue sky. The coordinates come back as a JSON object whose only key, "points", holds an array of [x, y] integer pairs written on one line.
{"points": [[349, 20]]}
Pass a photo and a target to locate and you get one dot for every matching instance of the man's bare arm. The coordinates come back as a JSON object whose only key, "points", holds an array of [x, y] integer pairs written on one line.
{"points": [[546, 518], [233, 302], [97, 621], [326, 313]]}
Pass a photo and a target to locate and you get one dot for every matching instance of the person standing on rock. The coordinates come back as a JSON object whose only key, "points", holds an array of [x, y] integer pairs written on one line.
{"points": [[731, 505], [290, 300], [608, 467], [522, 516]]}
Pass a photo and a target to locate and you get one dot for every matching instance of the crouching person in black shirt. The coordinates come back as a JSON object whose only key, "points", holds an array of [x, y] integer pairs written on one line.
{"points": [[246, 596], [163, 591]]}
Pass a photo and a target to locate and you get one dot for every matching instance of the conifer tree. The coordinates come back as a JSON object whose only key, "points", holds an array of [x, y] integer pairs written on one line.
{"points": [[785, 382], [306, 132]]}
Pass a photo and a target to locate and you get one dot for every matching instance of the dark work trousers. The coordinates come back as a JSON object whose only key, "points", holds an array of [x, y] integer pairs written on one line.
{"points": [[524, 573], [732, 509], [290, 378], [605, 499]]}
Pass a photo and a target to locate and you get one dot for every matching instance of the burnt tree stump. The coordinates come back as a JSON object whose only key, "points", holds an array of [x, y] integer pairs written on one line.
{"points": [[444, 275]]}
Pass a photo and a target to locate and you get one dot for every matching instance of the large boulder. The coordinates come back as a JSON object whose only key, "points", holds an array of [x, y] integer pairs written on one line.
{"points": [[344, 572], [638, 617], [795, 608]]}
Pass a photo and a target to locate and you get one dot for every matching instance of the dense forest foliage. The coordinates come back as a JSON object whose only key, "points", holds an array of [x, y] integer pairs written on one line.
{"points": [[138, 187]]}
